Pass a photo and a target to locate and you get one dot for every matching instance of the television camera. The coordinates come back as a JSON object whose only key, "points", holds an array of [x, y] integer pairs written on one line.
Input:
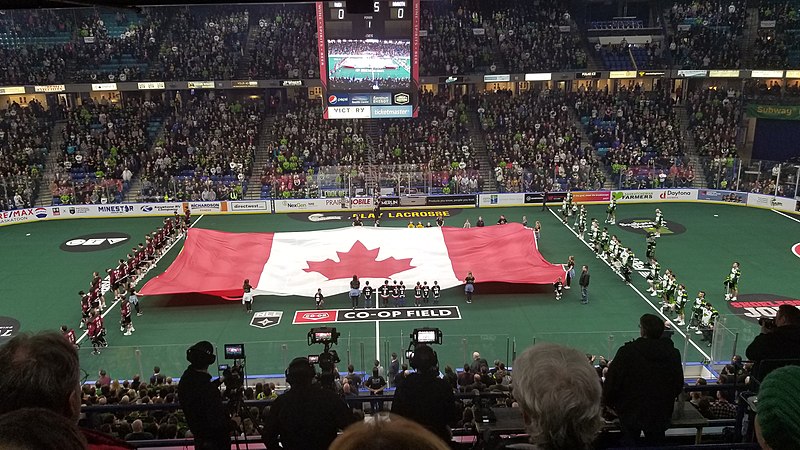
{"points": [[423, 336], [327, 360]]}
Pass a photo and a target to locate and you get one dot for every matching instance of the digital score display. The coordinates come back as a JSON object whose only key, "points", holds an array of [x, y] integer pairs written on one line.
{"points": [[369, 63]]}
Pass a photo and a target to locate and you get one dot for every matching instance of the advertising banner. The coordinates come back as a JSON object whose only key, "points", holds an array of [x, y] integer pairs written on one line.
{"points": [[490, 200], [203, 207], [591, 197], [768, 201], [655, 195], [451, 200], [260, 206], [780, 112], [722, 196], [324, 204]]}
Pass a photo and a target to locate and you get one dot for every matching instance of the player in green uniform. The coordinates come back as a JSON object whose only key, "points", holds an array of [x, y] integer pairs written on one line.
{"points": [[681, 298], [732, 282], [653, 277], [658, 222], [611, 212], [651, 246]]}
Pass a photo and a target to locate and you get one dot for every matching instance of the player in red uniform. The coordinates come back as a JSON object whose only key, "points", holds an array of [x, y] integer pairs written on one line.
{"points": [[96, 333], [125, 323], [86, 308], [69, 335], [97, 285]]}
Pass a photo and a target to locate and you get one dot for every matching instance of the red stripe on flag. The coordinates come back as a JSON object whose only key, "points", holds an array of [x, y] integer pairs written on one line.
{"points": [[214, 263], [499, 253]]}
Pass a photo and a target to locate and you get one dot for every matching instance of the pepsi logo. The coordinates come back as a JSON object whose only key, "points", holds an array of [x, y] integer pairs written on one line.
{"points": [[332, 99]]}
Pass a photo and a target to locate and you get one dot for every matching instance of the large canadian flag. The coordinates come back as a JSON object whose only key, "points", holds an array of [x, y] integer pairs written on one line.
{"points": [[298, 263]]}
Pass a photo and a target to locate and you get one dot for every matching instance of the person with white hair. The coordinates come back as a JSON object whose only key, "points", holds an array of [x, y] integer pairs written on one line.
{"points": [[559, 394]]}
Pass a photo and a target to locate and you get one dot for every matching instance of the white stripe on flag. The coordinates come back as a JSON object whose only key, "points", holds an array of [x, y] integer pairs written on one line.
{"points": [[291, 253]]}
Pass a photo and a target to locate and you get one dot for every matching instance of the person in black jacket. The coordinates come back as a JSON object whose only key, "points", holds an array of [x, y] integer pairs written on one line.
{"points": [[642, 382], [778, 340], [306, 417], [201, 400], [425, 398]]}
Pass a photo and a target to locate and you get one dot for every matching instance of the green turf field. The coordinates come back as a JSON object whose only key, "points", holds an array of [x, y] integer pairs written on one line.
{"points": [[40, 284], [400, 73]]}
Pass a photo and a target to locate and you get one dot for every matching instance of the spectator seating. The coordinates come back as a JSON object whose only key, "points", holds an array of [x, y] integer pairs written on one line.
{"points": [[529, 37], [778, 47], [207, 152], [713, 121], [24, 142], [533, 143], [101, 140], [456, 40], [707, 34], [283, 45], [436, 145], [636, 134]]}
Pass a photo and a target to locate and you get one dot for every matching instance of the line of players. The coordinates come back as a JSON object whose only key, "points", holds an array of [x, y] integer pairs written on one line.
{"points": [[424, 294], [122, 281], [674, 297]]}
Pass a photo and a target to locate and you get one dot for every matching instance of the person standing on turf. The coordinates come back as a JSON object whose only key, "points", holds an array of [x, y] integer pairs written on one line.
{"points": [[436, 290], [383, 291], [469, 286], [611, 212], [319, 299], [247, 296], [558, 287], [480, 223], [537, 230], [732, 282], [402, 299], [125, 322], [354, 291], [426, 292], [418, 294], [584, 282], [570, 271], [368, 292], [134, 299], [395, 294]]}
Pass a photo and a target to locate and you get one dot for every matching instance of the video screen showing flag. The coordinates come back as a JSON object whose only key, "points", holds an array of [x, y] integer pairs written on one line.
{"points": [[369, 59], [369, 64]]}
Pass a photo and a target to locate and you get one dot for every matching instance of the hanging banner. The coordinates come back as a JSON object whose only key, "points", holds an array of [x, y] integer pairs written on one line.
{"points": [[782, 112]]}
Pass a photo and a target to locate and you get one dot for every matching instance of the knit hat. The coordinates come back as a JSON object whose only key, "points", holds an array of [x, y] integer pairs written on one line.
{"points": [[779, 408]]}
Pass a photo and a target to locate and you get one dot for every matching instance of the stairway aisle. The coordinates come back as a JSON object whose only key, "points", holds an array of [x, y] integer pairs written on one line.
{"points": [[689, 148], [45, 197], [262, 158], [488, 182]]}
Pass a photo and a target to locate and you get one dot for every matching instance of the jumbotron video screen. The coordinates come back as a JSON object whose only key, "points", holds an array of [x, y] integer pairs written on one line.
{"points": [[369, 62]]}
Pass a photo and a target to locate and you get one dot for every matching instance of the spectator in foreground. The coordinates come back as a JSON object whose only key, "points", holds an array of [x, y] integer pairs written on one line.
{"points": [[642, 382], [395, 433], [42, 371], [425, 398], [559, 394], [201, 400], [778, 419], [778, 340], [306, 417], [39, 428]]}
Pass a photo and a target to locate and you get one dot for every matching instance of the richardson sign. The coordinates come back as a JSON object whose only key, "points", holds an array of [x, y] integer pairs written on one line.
{"points": [[375, 315], [756, 306], [204, 206], [248, 206]]}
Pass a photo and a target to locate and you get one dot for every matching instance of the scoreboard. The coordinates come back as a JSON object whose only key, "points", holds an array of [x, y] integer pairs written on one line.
{"points": [[369, 62]]}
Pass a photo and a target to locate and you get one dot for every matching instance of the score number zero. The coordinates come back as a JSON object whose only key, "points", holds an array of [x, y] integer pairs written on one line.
{"points": [[396, 13]]}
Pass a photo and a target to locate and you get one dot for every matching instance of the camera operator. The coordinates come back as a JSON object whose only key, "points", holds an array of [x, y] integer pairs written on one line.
{"points": [[306, 417], [201, 401], [779, 339], [424, 397]]}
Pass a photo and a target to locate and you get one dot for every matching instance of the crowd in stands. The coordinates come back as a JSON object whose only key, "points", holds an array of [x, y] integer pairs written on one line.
{"points": [[714, 123], [203, 44], [777, 46], [103, 144], [533, 143], [637, 135], [457, 40], [207, 150], [707, 34], [304, 141], [284, 46], [625, 56], [529, 37], [24, 142], [436, 144]]}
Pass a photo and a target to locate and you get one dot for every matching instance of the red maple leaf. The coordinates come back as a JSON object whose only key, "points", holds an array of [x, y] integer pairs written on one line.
{"points": [[359, 261]]}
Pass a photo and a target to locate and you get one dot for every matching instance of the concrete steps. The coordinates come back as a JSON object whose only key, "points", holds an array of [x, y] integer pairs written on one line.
{"points": [[689, 148], [478, 145], [45, 197], [261, 158]]}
